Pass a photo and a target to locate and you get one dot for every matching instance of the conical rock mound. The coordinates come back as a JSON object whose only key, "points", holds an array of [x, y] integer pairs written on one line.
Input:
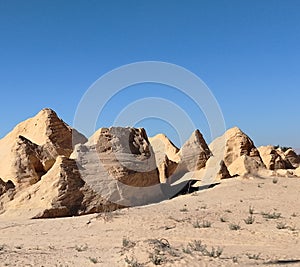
{"points": [[238, 152]]}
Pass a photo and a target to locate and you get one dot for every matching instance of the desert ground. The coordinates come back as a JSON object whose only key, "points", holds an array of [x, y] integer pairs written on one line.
{"points": [[242, 222]]}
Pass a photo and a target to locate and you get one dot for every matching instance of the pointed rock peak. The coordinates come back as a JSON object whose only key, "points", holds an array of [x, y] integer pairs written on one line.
{"points": [[164, 139], [197, 139]]}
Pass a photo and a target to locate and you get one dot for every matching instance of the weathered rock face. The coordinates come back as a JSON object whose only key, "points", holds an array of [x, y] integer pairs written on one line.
{"points": [[30, 150], [166, 156], [273, 158], [291, 156], [238, 152], [163, 146], [61, 192], [194, 153], [119, 164], [47, 130]]}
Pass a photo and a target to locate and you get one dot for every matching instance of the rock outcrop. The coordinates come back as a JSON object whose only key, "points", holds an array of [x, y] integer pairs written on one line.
{"points": [[238, 152], [291, 156], [273, 158], [30, 150], [194, 153], [166, 156], [120, 165]]}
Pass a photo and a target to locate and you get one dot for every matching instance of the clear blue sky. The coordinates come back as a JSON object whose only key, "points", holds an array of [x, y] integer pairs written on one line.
{"points": [[247, 52]]}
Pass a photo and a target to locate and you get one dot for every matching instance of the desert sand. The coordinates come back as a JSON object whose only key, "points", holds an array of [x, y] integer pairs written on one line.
{"points": [[107, 239]]}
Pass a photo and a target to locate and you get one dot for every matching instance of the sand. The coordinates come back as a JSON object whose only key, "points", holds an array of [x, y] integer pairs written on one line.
{"points": [[161, 233]]}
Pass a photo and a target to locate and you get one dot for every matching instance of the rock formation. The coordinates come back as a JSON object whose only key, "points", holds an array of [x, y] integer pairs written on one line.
{"points": [[166, 156], [48, 169], [273, 158], [30, 150], [120, 165], [238, 152], [291, 156]]}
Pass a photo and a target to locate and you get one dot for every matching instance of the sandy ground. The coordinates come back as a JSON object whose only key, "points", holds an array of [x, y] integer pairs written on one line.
{"points": [[171, 233]]}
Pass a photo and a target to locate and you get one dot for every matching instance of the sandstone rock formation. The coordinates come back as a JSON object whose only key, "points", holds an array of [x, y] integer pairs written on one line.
{"points": [[120, 165], [273, 158], [30, 150], [194, 153], [166, 156], [291, 156], [238, 152]]}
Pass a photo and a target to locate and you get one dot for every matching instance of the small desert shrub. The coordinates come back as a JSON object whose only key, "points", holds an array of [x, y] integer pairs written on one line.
{"points": [[93, 260], [275, 180], [249, 220], [281, 226], [156, 258], [253, 256], [294, 215], [223, 219], [132, 262], [197, 224], [251, 210], [184, 210], [197, 245], [81, 248], [269, 215], [234, 227], [127, 243], [204, 224], [187, 250], [228, 211], [202, 248], [215, 252]]}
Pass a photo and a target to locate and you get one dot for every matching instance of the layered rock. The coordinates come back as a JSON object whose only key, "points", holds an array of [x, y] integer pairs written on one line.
{"points": [[291, 156], [238, 152], [194, 153], [273, 158], [119, 164], [166, 156], [61, 192], [48, 130]]}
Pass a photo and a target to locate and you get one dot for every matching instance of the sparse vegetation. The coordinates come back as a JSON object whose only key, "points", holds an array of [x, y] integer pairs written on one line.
{"points": [[184, 210], [275, 180], [223, 219], [197, 245], [281, 226], [132, 262], [127, 243], [162, 249], [249, 220], [234, 227], [93, 260], [253, 256], [228, 211], [187, 250], [272, 216], [251, 210], [204, 224], [81, 248], [157, 259], [294, 215]]}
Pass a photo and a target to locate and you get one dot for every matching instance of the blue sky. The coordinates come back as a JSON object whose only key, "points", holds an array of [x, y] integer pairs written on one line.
{"points": [[247, 52]]}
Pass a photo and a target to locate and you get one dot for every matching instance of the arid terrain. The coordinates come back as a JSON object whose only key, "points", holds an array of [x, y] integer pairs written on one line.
{"points": [[224, 204], [166, 233]]}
